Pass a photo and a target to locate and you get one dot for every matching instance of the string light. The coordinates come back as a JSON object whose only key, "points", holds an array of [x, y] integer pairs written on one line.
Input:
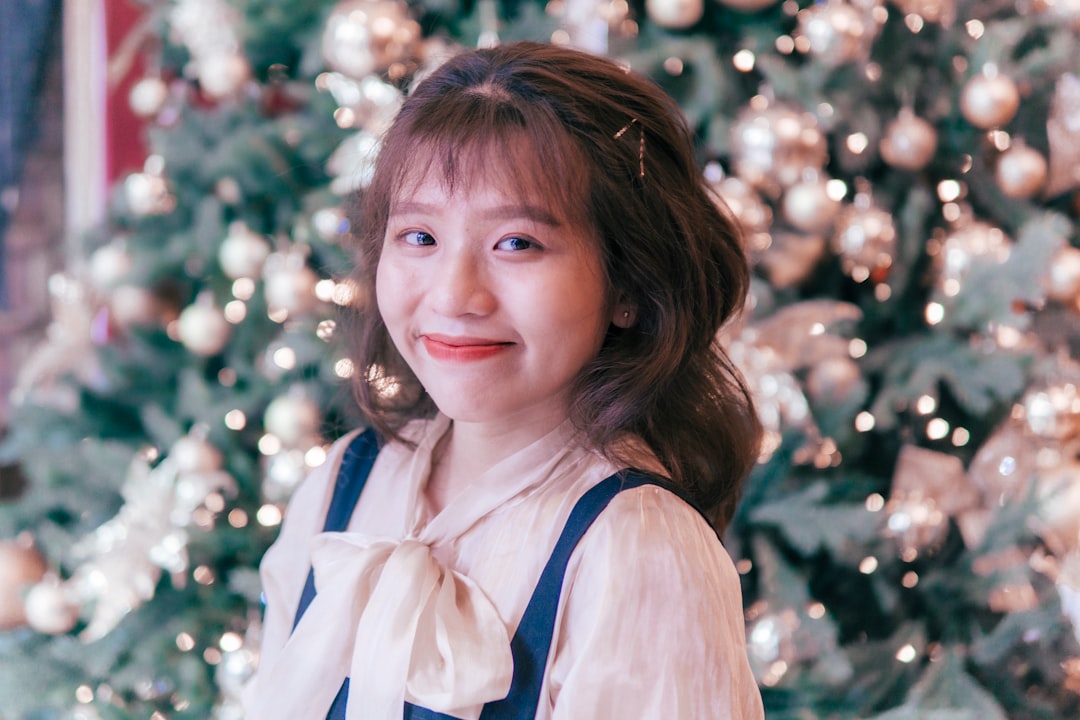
{"points": [[238, 518], [269, 444], [907, 653], [744, 60], [269, 515], [235, 419], [185, 642]]}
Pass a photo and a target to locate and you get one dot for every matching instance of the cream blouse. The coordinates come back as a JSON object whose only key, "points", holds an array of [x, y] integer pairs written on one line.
{"points": [[421, 608]]}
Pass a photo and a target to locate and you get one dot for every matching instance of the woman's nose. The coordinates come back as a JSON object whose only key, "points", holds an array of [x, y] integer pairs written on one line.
{"points": [[461, 286]]}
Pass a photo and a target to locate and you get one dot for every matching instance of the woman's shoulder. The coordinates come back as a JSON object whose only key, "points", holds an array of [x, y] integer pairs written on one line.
{"points": [[649, 531], [657, 512]]}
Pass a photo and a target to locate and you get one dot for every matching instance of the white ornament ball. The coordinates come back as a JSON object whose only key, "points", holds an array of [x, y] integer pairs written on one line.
{"points": [[294, 419], [282, 473], [989, 101], [203, 329], [21, 567], [747, 5], [291, 288], [909, 142], [808, 207], [243, 252], [675, 14], [148, 194], [362, 37], [1062, 280], [223, 74], [50, 608], [194, 454], [329, 223], [134, 306], [110, 264], [1021, 171], [148, 96]]}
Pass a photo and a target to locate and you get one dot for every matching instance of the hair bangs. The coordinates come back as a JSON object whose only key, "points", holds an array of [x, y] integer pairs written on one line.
{"points": [[478, 138]]}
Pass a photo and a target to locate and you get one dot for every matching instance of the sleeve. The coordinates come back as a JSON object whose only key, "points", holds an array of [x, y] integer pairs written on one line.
{"points": [[652, 621]]}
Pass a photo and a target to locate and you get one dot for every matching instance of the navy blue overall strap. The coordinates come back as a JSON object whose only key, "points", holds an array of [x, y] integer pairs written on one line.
{"points": [[353, 472], [531, 644]]}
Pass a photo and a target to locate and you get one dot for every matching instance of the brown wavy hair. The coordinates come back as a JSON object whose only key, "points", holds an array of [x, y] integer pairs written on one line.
{"points": [[610, 149]]}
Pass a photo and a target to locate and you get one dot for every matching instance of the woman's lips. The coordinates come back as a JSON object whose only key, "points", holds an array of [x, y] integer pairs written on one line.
{"points": [[462, 349]]}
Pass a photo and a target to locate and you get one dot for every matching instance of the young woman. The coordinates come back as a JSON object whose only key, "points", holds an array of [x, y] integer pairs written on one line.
{"points": [[524, 532]]}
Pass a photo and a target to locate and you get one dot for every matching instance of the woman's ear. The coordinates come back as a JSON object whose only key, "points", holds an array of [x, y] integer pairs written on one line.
{"points": [[624, 314]]}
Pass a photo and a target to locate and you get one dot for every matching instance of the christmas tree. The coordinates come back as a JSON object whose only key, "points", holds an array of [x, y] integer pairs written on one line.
{"points": [[906, 175]]}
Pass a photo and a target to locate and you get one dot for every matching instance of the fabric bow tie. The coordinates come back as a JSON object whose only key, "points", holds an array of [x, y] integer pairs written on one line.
{"points": [[398, 619]]}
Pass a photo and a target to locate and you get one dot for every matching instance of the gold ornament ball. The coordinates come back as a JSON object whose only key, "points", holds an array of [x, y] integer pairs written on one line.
{"points": [[50, 608], [1058, 518], [675, 14], [1021, 171], [294, 419], [203, 329], [752, 213], [836, 34], [973, 242], [989, 101], [934, 11], [747, 5], [808, 207], [865, 241], [148, 96], [1053, 412], [243, 252], [771, 148], [21, 567], [909, 142], [791, 258], [1062, 282], [362, 37]]}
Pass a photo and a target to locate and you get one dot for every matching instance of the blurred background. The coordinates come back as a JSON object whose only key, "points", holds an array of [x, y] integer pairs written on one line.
{"points": [[173, 270]]}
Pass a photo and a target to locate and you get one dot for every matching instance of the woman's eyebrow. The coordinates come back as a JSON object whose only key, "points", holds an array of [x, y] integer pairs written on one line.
{"points": [[499, 212]]}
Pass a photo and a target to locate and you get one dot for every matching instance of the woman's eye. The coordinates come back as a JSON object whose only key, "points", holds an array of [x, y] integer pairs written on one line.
{"points": [[516, 243], [418, 238]]}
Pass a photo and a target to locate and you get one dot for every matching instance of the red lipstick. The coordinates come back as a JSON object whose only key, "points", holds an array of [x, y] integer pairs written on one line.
{"points": [[462, 349]]}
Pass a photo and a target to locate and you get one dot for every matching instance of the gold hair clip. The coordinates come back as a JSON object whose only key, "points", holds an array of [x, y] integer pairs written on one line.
{"points": [[641, 144]]}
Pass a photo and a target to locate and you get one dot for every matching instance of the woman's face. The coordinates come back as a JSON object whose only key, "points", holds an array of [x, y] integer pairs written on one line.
{"points": [[494, 300]]}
